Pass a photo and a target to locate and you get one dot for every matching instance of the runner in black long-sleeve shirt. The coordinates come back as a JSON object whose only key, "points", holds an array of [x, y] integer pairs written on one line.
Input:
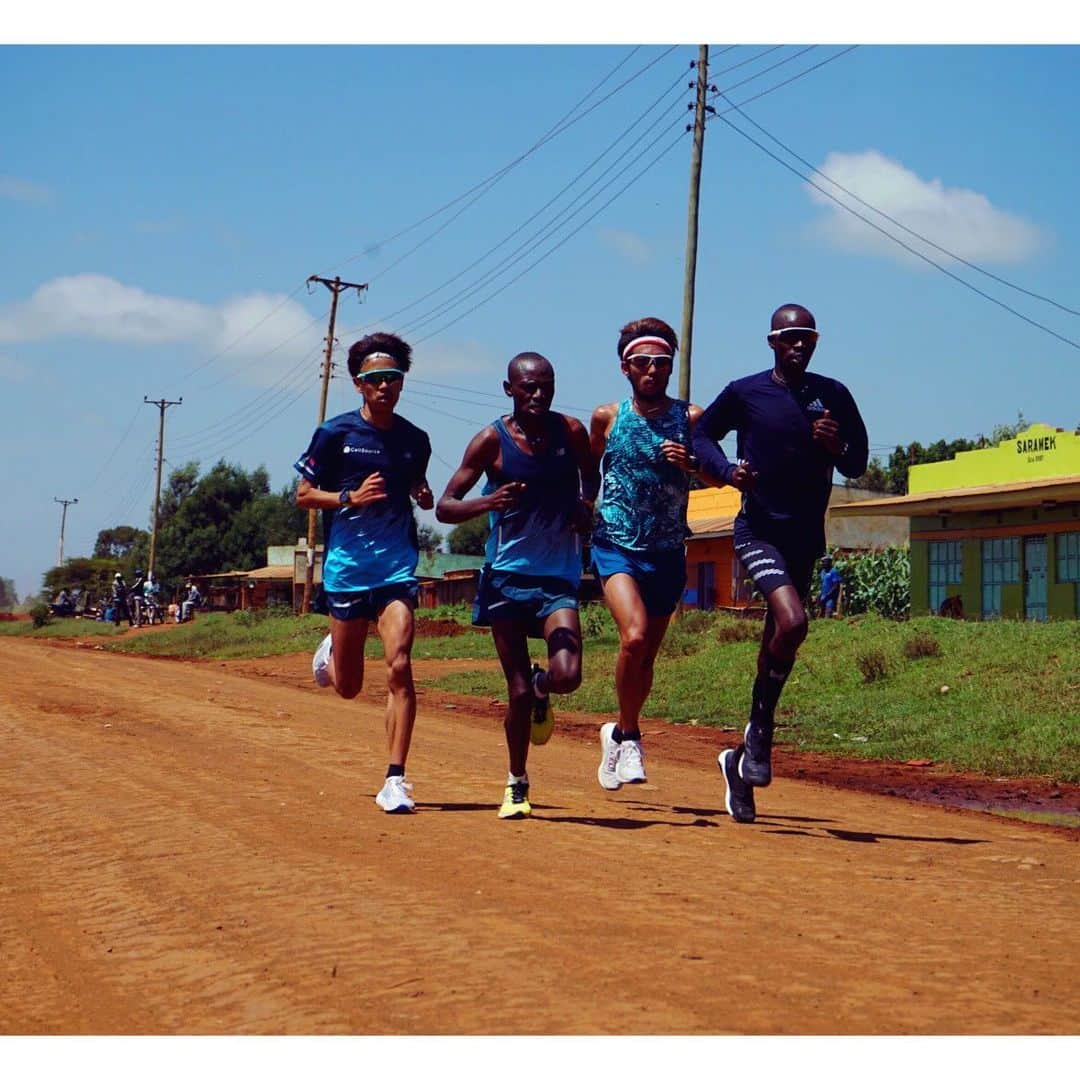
{"points": [[793, 429]]}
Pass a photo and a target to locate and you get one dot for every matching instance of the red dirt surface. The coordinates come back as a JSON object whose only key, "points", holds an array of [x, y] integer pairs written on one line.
{"points": [[194, 848]]}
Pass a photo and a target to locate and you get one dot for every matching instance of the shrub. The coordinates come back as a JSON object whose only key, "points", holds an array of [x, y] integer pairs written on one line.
{"points": [[878, 581], [873, 663], [922, 644], [41, 614], [596, 621]]}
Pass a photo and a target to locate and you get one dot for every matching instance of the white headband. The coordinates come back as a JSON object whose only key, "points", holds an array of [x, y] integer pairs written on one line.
{"points": [[788, 329], [378, 356], [647, 339]]}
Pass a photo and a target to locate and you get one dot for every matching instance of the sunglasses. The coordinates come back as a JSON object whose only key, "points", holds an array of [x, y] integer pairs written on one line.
{"points": [[790, 334], [644, 361], [380, 375]]}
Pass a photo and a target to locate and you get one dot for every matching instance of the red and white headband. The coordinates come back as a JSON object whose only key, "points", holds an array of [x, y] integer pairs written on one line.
{"points": [[646, 339]]}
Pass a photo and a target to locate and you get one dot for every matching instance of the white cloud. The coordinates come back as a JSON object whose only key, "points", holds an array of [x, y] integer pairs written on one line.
{"points": [[626, 244], [93, 306], [11, 187], [962, 221]]}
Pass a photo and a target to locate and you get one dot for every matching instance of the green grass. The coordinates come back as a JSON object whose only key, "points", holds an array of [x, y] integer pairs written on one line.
{"points": [[1010, 708]]}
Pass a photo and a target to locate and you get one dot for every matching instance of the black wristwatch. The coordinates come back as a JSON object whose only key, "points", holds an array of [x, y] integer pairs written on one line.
{"points": [[343, 498]]}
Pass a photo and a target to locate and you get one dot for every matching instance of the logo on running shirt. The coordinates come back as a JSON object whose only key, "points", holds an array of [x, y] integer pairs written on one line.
{"points": [[359, 450], [815, 406]]}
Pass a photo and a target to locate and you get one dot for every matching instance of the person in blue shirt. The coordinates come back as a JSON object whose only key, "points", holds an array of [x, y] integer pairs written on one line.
{"points": [[361, 470], [539, 490], [794, 428], [639, 543], [829, 588]]}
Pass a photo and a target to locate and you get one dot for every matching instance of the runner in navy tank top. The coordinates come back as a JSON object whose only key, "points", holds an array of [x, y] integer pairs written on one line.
{"points": [[793, 428], [541, 483]]}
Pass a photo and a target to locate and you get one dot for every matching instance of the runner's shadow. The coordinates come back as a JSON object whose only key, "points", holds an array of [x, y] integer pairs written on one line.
{"points": [[702, 812], [874, 838], [626, 823], [474, 806]]}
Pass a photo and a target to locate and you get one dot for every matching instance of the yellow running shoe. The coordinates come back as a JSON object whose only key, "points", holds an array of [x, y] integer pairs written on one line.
{"points": [[515, 802], [543, 716]]}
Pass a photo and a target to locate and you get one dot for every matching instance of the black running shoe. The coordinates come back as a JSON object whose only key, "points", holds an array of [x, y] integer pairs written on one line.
{"points": [[755, 766], [739, 798]]}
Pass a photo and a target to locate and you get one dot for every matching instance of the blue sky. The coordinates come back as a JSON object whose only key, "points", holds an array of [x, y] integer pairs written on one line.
{"points": [[162, 207]]}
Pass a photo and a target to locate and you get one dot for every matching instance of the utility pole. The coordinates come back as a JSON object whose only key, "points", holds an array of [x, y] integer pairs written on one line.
{"points": [[336, 287], [686, 338], [63, 519], [162, 405]]}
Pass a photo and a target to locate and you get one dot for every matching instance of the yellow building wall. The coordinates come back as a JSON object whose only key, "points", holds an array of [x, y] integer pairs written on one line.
{"points": [[1038, 453], [713, 502]]}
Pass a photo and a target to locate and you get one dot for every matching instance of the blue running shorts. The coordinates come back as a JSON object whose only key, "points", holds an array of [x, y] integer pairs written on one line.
{"points": [[530, 598], [660, 575], [368, 603]]}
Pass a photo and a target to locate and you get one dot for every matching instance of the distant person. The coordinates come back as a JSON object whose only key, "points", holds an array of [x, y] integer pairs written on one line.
{"points": [[829, 588], [361, 470], [119, 602], [794, 428], [639, 543], [541, 484], [192, 600], [63, 604]]}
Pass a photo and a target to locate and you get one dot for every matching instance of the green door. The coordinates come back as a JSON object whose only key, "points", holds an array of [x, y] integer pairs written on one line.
{"points": [[1035, 578]]}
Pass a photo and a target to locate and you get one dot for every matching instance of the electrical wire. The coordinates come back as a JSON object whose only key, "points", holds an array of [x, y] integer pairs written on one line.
{"points": [[896, 240], [561, 125], [918, 236]]}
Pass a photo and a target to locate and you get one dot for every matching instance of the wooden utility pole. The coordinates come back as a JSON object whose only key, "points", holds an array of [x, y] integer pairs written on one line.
{"points": [[686, 338], [63, 519], [162, 405], [336, 287]]}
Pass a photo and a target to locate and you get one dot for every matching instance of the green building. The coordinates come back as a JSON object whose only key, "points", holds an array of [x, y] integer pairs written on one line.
{"points": [[995, 533]]}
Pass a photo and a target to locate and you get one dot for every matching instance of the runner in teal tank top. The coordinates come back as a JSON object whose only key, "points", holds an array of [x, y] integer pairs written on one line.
{"points": [[639, 545], [541, 482]]}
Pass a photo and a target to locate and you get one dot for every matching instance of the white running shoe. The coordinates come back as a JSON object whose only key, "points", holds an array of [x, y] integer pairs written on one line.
{"points": [[320, 662], [630, 768], [608, 773], [394, 797]]}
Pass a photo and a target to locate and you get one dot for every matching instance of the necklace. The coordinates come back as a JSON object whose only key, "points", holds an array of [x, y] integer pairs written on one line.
{"points": [[656, 410]]}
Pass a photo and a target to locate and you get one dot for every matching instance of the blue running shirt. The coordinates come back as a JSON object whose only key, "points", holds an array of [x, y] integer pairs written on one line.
{"points": [[376, 544], [535, 536], [644, 497]]}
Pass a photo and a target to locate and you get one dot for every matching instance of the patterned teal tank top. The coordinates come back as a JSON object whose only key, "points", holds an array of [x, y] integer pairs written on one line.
{"points": [[644, 497]]}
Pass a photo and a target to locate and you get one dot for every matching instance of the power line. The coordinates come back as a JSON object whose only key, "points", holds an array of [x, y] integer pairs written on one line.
{"points": [[561, 125], [900, 224], [896, 240], [490, 251]]}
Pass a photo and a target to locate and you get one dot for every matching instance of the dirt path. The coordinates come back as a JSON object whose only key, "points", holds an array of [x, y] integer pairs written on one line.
{"points": [[194, 848]]}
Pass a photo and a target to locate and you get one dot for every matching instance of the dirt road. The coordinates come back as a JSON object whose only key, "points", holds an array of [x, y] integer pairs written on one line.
{"points": [[190, 848]]}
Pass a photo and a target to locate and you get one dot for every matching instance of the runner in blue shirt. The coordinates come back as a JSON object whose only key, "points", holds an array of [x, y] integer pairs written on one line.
{"points": [[794, 428], [361, 469], [541, 483], [829, 588], [639, 544]]}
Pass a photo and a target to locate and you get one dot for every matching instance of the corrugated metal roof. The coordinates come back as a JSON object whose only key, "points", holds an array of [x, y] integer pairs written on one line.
{"points": [[1058, 489]]}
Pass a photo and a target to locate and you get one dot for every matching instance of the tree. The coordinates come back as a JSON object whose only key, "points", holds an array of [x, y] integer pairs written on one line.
{"points": [[91, 576], [8, 597], [469, 537], [117, 542], [430, 538]]}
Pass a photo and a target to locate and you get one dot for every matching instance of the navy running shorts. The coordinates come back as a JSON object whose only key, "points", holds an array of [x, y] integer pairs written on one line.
{"points": [[369, 603], [770, 565], [530, 598], [660, 575]]}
